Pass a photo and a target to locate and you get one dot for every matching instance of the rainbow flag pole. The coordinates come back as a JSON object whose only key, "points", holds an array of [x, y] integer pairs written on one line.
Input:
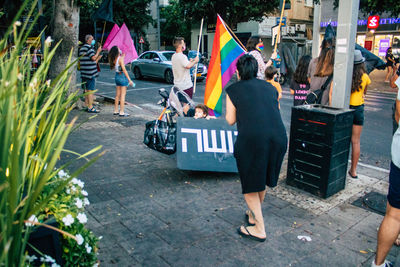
{"points": [[225, 53]]}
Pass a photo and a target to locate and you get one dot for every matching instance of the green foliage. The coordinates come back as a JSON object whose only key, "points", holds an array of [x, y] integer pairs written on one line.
{"points": [[71, 202], [176, 24], [33, 130], [135, 13]]}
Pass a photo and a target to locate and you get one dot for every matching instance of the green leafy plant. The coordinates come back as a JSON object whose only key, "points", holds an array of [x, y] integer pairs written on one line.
{"points": [[34, 127], [68, 209]]}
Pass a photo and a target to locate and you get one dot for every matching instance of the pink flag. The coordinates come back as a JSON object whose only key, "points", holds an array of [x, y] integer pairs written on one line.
{"points": [[124, 41], [111, 36]]}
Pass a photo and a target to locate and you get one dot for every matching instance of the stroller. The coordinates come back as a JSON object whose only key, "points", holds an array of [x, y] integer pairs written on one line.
{"points": [[160, 134]]}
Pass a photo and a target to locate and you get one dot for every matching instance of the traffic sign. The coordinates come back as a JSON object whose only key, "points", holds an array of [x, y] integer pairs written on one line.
{"points": [[141, 40], [283, 23]]}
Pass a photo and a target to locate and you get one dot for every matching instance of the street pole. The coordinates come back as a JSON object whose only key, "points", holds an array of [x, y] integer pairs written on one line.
{"points": [[344, 53], [316, 29], [158, 25]]}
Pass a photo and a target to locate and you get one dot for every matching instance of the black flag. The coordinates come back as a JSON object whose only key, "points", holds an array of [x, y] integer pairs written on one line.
{"points": [[104, 12]]}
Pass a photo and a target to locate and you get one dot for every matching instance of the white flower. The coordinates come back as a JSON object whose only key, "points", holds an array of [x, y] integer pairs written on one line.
{"points": [[55, 265], [47, 258], [68, 220], [79, 239], [73, 189], [33, 218], [68, 191], [96, 264], [84, 193], [6, 83], [62, 174], [48, 82], [78, 182], [88, 248], [86, 201], [82, 217], [20, 76], [48, 40], [17, 23], [78, 203], [31, 258]]}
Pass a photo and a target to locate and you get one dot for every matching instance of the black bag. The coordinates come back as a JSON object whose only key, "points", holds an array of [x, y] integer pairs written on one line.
{"points": [[160, 136], [315, 97]]}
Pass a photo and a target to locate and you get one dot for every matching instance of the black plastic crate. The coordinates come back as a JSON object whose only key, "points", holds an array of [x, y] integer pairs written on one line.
{"points": [[319, 149]]}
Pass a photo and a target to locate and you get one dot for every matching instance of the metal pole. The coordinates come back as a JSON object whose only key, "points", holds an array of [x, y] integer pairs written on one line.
{"points": [[344, 53], [316, 29], [158, 25], [42, 37]]}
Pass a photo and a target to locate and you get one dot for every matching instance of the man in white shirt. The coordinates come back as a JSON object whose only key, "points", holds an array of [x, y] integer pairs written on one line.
{"points": [[181, 67], [390, 226]]}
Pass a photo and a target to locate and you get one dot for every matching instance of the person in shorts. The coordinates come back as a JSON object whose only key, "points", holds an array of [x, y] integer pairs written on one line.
{"points": [[359, 86], [390, 226], [181, 67], [88, 69]]}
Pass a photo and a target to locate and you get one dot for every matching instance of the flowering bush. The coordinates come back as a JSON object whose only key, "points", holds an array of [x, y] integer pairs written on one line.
{"points": [[68, 208]]}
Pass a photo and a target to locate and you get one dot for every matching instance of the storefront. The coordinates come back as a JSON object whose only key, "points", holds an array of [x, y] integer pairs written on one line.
{"points": [[384, 33]]}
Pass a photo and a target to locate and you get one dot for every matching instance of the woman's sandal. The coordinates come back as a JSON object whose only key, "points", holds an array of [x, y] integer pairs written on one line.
{"points": [[248, 235]]}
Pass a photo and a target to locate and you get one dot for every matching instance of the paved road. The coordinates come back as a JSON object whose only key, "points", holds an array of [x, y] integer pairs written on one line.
{"points": [[375, 139]]}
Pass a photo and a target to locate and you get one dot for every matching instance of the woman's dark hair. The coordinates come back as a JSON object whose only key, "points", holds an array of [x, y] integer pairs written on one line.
{"points": [[112, 56], [252, 43], [247, 67], [358, 71], [326, 59], [300, 75], [389, 49], [270, 72]]}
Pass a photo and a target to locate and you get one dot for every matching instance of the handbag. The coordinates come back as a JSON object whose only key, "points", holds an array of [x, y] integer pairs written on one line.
{"points": [[160, 136], [315, 97]]}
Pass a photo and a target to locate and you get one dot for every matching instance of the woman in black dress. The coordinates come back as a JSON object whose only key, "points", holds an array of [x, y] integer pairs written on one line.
{"points": [[261, 142], [390, 64]]}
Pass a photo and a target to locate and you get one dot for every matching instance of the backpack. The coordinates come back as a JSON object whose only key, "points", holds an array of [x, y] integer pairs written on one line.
{"points": [[315, 97]]}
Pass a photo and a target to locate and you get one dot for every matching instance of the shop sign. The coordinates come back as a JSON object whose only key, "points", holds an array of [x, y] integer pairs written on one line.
{"points": [[383, 46], [373, 22], [368, 45], [362, 22]]}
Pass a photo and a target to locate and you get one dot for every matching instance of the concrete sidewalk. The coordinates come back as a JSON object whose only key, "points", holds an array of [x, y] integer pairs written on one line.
{"points": [[152, 214]]}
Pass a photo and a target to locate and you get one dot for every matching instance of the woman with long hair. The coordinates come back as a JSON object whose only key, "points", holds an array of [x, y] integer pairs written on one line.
{"points": [[299, 86], [254, 47], [359, 86], [259, 154], [321, 68], [122, 80], [390, 64]]}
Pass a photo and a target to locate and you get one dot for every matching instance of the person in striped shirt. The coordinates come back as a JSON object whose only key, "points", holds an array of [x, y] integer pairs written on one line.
{"points": [[88, 68]]}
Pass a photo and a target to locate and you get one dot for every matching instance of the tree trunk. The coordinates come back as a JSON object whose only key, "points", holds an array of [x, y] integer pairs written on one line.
{"points": [[66, 30]]}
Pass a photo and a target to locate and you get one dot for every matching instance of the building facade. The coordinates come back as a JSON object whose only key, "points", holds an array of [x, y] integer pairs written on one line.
{"points": [[376, 40]]}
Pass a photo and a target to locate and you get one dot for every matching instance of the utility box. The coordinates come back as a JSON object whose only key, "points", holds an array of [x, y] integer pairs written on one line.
{"points": [[319, 149]]}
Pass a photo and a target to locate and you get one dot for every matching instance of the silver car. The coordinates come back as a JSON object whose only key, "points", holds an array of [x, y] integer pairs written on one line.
{"points": [[158, 64]]}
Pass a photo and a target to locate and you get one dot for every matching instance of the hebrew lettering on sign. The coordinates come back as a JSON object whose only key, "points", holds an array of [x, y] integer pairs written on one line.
{"points": [[202, 139], [205, 145]]}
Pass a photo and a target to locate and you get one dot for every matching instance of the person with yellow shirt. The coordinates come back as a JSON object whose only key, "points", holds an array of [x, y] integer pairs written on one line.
{"points": [[270, 75], [358, 90]]}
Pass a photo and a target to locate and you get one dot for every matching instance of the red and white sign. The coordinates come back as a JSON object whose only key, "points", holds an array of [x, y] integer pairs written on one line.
{"points": [[373, 22], [368, 45], [141, 41]]}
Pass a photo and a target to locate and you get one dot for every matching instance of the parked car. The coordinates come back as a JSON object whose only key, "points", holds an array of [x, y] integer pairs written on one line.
{"points": [[158, 64]]}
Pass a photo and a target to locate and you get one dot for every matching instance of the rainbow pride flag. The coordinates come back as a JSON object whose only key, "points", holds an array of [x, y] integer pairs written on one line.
{"points": [[225, 53]]}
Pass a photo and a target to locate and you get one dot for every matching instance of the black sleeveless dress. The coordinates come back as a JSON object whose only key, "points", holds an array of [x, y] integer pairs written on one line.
{"points": [[262, 141]]}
